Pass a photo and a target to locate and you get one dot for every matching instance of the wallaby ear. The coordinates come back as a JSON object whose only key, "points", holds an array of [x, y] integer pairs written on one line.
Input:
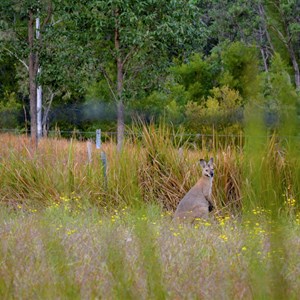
{"points": [[211, 161], [202, 163]]}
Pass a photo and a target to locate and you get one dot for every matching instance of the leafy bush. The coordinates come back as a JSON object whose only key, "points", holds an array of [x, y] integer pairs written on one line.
{"points": [[222, 110], [9, 111]]}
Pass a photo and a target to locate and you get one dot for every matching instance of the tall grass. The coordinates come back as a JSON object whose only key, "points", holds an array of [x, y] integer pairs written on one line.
{"points": [[158, 166], [65, 233]]}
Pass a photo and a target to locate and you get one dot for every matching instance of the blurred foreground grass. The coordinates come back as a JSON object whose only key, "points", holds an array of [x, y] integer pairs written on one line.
{"points": [[141, 254]]}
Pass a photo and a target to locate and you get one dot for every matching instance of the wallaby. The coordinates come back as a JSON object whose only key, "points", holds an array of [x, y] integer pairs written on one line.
{"points": [[197, 202]]}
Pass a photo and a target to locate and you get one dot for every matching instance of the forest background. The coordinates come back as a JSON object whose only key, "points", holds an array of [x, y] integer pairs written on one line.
{"points": [[196, 64], [81, 223]]}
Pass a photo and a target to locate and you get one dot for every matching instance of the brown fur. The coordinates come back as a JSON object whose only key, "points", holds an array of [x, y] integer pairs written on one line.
{"points": [[197, 202]]}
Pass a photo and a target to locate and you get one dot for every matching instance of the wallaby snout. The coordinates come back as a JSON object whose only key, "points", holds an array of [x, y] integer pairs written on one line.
{"points": [[197, 202]]}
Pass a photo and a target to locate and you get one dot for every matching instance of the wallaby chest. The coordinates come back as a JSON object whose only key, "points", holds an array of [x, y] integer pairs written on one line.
{"points": [[203, 186], [197, 201]]}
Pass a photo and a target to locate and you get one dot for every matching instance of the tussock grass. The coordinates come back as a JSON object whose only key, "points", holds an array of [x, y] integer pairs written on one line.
{"points": [[158, 166]]}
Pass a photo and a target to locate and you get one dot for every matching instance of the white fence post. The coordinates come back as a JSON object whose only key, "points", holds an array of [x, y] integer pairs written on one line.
{"points": [[98, 138]]}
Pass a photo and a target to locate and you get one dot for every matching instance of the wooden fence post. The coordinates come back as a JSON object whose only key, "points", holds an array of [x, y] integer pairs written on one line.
{"points": [[89, 151], [104, 167], [102, 156]]}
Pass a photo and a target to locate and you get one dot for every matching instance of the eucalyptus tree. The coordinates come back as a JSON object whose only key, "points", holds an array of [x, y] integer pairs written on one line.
{"points": [[230, 21], [130, 36], [283, 24], [18, 39]]}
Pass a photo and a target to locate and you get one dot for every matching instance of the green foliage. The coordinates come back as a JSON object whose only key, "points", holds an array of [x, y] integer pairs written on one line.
{"points": [[232, 64], [240, 65], [280, 81], [230, 20], [9, 111], [196, 77], [281, 98], [147, 30], [7, 75], [152, 105], [283, 24], [221, 109], [225, 98], [10, 102], [78, 54], [213, 89]]}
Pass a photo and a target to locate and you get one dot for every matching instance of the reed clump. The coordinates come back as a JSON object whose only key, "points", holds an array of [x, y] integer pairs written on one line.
{"points": [[158, 165]]}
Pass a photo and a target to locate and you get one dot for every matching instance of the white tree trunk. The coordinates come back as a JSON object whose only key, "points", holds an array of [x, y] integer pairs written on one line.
{"points": [[32, 68], [39, 110], [39, 91]]}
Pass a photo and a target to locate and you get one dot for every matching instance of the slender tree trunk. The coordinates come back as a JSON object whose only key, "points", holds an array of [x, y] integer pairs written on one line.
{"points": [[286, 38], [121, 125], [39, 99], [264, 57], [39, 106], [32, 80], [263, 50], [262, 14], [290, 47], [120, 106], [120, 77], [45, 124], [295, 66], [264, 37]]}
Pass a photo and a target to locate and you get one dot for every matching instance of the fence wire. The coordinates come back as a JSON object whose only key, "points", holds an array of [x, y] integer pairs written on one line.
{"points": [[76, 132]]}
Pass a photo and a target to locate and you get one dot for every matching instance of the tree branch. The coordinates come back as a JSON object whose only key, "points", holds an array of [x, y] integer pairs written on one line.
{"points": [[132, 51], [280, 35], [49, 14], [16, 56], [109, 82], [264, 20], [46, 113]]}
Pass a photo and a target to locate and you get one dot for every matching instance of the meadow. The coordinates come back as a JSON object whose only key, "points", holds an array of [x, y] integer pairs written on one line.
{"points": [[67, 231]]}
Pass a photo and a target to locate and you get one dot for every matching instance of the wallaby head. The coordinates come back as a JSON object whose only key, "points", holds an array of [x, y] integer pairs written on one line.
{"points": [[207, 168]]}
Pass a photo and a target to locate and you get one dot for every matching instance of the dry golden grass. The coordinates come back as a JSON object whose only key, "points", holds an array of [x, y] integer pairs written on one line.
{"points": [[157, 166]]}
